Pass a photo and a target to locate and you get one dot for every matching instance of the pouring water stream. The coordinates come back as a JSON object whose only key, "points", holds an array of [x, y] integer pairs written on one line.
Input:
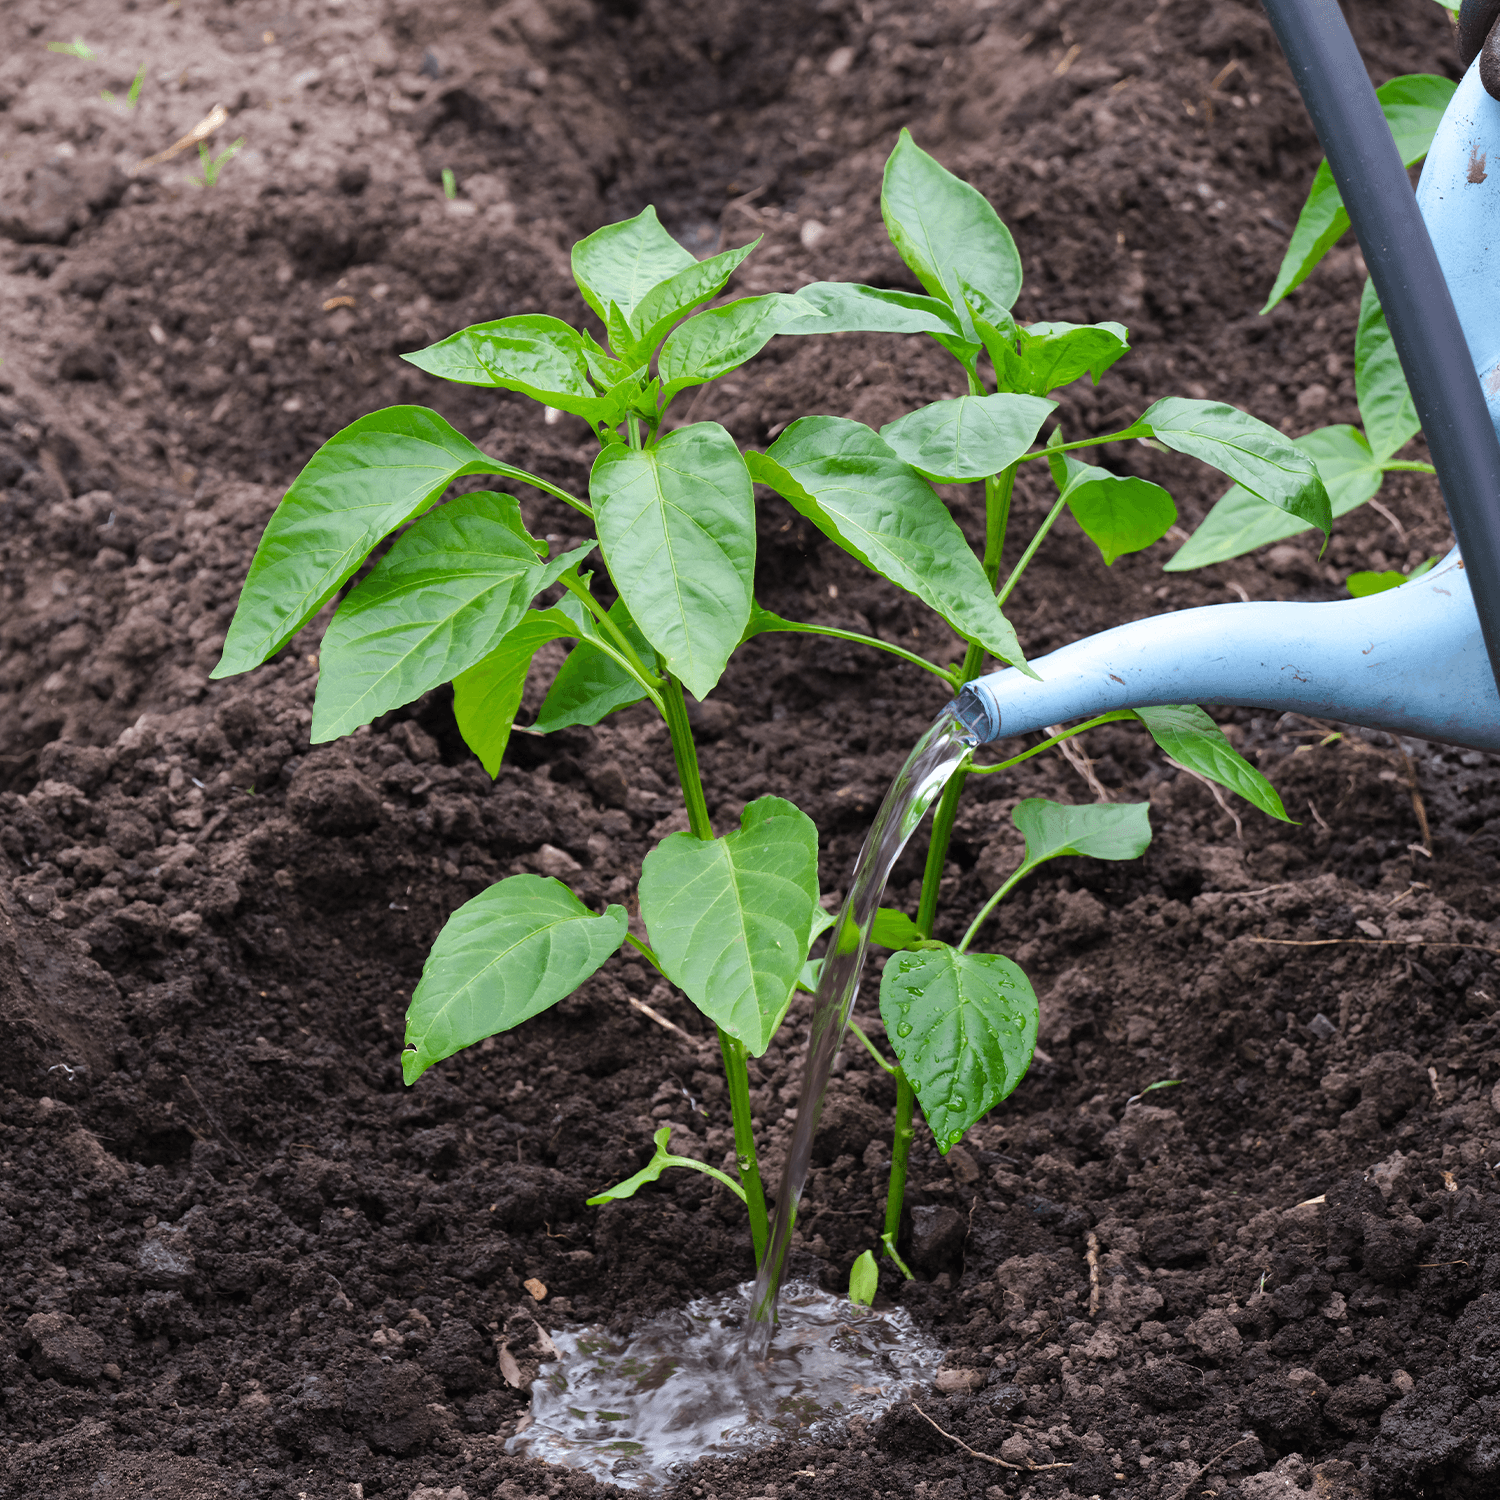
{"points": [[938, 754]]}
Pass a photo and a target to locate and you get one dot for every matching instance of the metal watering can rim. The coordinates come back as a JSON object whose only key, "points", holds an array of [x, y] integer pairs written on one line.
{"points": [[1418, 660]]}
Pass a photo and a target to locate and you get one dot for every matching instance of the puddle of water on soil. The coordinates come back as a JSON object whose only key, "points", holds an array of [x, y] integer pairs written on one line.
{"points": [[637, 1410]]}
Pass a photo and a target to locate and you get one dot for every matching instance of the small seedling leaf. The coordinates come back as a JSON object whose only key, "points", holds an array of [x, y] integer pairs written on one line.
{"points": [[665, 303], [1385, 404], [1118, 513], [487, 697], [1048, 356], [590, 685], [444, 596], [948, 233], [894, 929], [864, 1280], [677, 527], [730, 918], [661, 1159], [968, 437], [1413, 105], [621, 263], [849, 483], [1361, 585], [1192, 739], [720, 340], [377, 474], [846, 307], [511, 952], [1240, 522], [963, 1026], [1248, 450], [533, 354], [1108, 830]]}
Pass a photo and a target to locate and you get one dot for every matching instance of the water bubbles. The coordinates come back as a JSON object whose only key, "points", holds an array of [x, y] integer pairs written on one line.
{"points": [[904, 1029]]}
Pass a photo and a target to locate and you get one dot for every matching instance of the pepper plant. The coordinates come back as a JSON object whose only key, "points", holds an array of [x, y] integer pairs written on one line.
{"points": [[455, 598]]}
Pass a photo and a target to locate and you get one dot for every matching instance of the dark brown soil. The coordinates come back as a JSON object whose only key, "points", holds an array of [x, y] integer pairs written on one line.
{"points": [[237, 1257]]}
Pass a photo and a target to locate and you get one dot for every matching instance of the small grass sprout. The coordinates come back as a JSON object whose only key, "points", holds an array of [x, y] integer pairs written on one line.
{"points": [[76, 48], [212, 165]]}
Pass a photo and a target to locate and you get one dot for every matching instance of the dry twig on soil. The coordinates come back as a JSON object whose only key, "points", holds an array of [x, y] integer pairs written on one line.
{"points": [[987, 1457]]}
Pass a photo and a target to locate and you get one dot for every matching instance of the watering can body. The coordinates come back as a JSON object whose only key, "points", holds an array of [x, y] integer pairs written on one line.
{"points": [[1411, 660]]}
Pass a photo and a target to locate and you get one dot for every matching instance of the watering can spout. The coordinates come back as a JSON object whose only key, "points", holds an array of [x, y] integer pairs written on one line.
{"points": [[1411, 660]]}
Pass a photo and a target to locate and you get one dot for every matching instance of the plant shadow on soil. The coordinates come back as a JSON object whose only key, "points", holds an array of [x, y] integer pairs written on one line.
{"points": [[239, 1259]]}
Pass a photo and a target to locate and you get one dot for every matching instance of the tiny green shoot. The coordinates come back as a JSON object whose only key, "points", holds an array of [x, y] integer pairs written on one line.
{"points": [[213, 165], [132, 98], [864, 1280], [1161, 1083], [76, 48], [450, 184]]}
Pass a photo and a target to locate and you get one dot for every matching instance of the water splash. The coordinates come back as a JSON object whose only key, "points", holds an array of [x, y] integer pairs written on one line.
{"points": [[927, 771], [637, 1411]]}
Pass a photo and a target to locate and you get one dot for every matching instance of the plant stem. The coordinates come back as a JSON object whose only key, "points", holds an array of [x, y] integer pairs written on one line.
{"points": [[736, 1071], [736, 1068], [510, 471], [873, 1051], [895, 1198], [946, 673], [1031, 546], [1057, 739], [991, 904]]}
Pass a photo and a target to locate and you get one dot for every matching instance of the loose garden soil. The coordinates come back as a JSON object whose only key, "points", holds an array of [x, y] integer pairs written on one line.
{"points": [[237, 1257]]}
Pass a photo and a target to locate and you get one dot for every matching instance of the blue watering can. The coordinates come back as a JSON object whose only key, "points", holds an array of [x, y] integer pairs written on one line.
{"points": [[1422, 659]]}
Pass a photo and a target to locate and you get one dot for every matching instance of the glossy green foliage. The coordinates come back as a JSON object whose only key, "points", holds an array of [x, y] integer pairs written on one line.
{"points": [[847, 307], [1248, 450], [963, 1026], [1240, 522], [849, 483], [730, 918], [723, 338], [377, 474], [661, 1159], [951, 237], [969, 437], [677, 528], [591, 684], [617, 266], [511, 952], [445, 595], [1117, 512], [538, 356], [864, 1280], [1192, 739], [1385, 404], [1413, 105], [487, 696], [1048, 356], [1100, 830]]}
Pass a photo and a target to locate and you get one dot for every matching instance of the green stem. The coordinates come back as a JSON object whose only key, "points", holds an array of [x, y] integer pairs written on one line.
{"points": [[618, 648], [991, 904], [1030, 552], [1057, 739], [888, 1244], [889, 1067], [737, 1072], [801, 628], [645, 953], [895, 1198], [1406, 466], [1133, 431], [714, 1172], [736, 1067], [509, 471]]}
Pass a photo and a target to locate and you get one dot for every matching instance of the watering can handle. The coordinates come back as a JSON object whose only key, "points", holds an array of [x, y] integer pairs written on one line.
{"points": [[1479, 36]]}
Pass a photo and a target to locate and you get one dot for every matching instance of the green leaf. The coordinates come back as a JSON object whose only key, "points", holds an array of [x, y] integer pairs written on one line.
{"points": [[665, 303], [1385, 404], [846, 480], [1240, 522], [949, 235], [440, 600], [1413, 105], [847, 307], [1192, 739], [487, 697], [963, 1026], [538, 356], [864, 1280], [509, 953], [969, 437], [1119, 513], [677, 526], [730, 918], [1051, 355], [720, 340], [1361, 585], [894, 929], [1247, 450], [660, 1161], [377, 474], [1107, 830], [621, 263], [591, 685]]}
